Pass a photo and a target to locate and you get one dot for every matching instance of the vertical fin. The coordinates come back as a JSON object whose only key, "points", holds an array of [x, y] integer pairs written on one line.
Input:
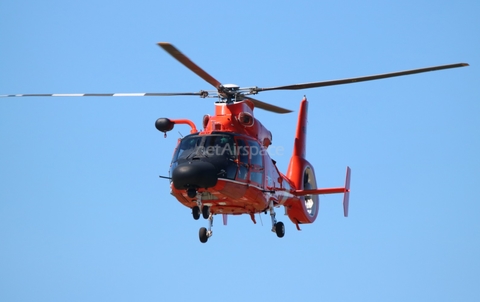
{"points": [[298, 161], [300, 145]]}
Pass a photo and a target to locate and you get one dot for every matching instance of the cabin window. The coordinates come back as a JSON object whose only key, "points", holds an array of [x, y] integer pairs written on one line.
{"points": [[256, 162], [256, 176], [243, 155], [256, 154], [228, 147]]}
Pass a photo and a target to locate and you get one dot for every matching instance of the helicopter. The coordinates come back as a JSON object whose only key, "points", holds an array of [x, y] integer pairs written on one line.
{"points": [[225, 168]]}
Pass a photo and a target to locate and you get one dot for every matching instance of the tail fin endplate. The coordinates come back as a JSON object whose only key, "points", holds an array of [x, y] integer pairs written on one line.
{"points": [[346, 194]]}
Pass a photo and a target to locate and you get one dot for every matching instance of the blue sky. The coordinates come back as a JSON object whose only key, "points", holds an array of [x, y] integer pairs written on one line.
{"points": [[84, 216]]}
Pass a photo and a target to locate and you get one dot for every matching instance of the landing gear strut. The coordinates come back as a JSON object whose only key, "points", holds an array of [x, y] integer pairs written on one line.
{"points": [[277, 227], [203, 233]]}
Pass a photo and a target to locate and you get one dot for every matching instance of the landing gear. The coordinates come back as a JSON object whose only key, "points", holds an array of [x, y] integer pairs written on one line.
{"points": [[196, 209], [202, 234], [196, 212], [206, 212], [280, 229], [277, 227], [205, 233]]}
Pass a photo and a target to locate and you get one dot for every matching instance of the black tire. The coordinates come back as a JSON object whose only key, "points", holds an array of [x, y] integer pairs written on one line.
{"points": [[202, 234], [280, 229], [205, 212], [196, 212]]}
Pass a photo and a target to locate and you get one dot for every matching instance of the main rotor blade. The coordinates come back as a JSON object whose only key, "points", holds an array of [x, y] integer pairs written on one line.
{"points": [[266, 106], [174, 52], [201, 93], [361, 79]]}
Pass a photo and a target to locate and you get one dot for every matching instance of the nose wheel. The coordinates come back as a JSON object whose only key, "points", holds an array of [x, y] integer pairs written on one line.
{"points": [[196, 212], [205, 210]]}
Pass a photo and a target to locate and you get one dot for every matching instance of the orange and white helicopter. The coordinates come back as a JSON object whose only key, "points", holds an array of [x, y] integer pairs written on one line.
{"points": [[225, 168]]}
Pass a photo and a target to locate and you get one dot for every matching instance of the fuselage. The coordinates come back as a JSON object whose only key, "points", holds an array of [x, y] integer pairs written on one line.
{"points": [[233, 172], [226, 166], [229, 165]]}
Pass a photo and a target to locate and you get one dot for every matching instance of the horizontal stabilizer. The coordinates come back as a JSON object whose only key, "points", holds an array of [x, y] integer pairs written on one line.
{"points": [[345, 190], [319, 191]]}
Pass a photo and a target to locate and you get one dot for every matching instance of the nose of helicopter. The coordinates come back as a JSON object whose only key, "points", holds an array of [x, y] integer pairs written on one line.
{"points": [[194, 174]]}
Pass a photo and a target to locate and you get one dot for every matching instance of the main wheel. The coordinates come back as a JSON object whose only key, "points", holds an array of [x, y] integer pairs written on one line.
{"points": [[205, 212], [280, 229], [202, 234], [196, 212]]}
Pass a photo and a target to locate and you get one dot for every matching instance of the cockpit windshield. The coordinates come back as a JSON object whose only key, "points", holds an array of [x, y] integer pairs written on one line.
{"points": [[233, 156], [205, 146]]}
